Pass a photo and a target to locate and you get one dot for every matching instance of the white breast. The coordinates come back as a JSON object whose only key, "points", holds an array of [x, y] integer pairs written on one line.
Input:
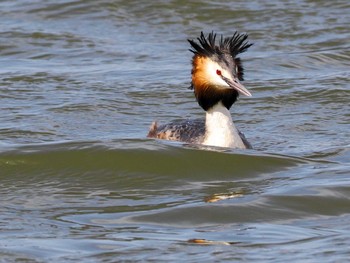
{"points": [[220, 130]]}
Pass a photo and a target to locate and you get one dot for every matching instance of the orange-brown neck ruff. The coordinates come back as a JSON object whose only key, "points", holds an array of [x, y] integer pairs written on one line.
{"points": [[206, 93]]}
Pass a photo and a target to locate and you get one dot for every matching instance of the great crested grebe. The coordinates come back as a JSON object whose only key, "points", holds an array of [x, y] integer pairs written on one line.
{"points": [[216, 72]]}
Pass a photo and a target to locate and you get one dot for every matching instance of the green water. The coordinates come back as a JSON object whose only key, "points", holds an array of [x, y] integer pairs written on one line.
{"points": [[81, 81]]}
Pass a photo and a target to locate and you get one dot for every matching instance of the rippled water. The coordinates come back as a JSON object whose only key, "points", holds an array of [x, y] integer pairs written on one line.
{"points": [[81, 81]]}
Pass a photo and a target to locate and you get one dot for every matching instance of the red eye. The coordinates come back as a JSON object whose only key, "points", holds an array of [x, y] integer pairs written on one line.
{"points": [[218, 72]]}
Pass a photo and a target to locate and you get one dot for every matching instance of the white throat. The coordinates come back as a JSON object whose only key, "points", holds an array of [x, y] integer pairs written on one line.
{"points": [[220, 130]]}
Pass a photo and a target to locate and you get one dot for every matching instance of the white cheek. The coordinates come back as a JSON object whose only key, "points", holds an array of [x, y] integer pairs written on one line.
{"points": [[213, 77]]}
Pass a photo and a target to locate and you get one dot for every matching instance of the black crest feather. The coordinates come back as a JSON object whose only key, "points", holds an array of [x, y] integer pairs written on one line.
{"points": [[206, 46]]}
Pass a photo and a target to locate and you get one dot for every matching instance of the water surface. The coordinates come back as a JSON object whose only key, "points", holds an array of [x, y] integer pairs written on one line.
{"points": [[81, 81]]}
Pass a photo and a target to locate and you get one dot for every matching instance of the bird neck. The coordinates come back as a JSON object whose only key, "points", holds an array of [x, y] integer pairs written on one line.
{"points": [[219, 128]]}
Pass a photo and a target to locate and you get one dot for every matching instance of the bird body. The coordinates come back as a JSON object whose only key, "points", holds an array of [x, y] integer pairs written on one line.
{"points": [[216, 75]]}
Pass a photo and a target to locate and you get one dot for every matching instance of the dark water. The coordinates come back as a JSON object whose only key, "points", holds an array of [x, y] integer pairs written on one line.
{"points": [[81, 81]]}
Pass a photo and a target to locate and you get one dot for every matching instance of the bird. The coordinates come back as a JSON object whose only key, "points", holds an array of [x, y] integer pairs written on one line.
{"points": [[217, 72]]}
